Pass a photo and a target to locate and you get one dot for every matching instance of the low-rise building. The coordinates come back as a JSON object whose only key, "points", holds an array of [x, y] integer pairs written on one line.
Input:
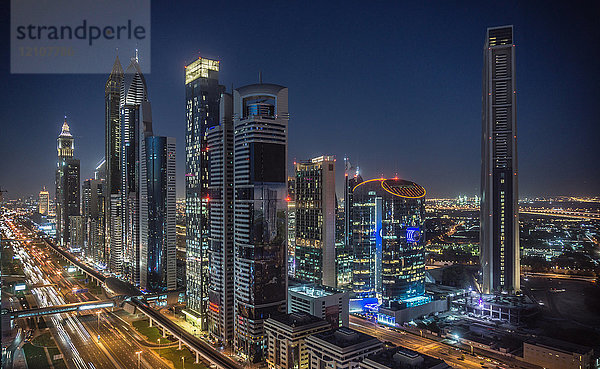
{"points": [[323, 302], [402, 358], [343, 348], [286, 335], [555, 354]]}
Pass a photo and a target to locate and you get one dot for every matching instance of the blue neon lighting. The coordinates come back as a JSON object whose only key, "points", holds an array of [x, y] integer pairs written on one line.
{"points": [[413, 234]]}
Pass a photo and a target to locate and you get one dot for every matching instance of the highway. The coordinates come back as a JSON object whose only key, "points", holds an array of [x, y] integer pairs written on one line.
{"points": [[450, 354], [77, 335], [187, 338]]}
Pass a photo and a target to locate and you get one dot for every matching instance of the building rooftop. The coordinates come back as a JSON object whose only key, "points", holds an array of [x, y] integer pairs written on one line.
{"points": [[558, 345], [401, 358], [297, 319], [260, 89], [397, 187], [344, 337], [311, 291]]}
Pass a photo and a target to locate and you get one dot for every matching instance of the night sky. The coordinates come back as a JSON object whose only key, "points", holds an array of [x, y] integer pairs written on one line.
{"points": [[395, 87]]}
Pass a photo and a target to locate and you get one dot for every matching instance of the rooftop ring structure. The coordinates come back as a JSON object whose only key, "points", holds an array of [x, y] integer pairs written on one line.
{"points": [[398, 187]]}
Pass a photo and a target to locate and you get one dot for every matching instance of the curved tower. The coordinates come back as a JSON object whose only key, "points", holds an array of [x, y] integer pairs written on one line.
{"points": [[260, 224], [388, 217], [133, 132], [133, 88]]}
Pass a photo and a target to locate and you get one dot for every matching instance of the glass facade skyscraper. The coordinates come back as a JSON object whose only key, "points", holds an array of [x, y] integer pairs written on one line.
{"points": [[202, 93], [499, 238], [133, 95], [158, 269], [388, 217], [112, 155]]}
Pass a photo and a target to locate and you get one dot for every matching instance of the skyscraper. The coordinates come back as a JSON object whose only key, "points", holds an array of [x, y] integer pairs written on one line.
{"points": [[291, 216], [343, 252], [67, 184], [43, 202], [260, 224], [220, 201], [202, 93], [112, 155], [92, 202], [315, 221], [158, 217], [133, 131], [388, 217], [499, 239]]}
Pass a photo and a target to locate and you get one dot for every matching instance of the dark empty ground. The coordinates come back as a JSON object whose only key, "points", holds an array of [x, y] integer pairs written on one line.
{"points": [[572, 315]]}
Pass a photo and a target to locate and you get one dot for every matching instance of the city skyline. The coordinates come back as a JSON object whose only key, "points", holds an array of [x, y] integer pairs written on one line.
{"points": [[461, 227], [423, 94]]}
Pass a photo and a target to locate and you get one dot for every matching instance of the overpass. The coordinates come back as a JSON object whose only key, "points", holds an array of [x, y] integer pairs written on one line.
{"points": [[79, 306], [89, 271], [196, 345]]}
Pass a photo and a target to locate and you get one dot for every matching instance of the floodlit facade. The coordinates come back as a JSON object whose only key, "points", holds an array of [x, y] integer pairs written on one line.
{"points": [[500, 252], [260, 221], [202, 93], [43, 202], [315, 221], [220, 201], [388, 217], [67, 184]]}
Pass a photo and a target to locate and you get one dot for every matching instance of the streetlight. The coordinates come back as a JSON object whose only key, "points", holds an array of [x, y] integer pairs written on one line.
{"points": [[183, 362], [98, 313], [139, 355], [159, 346]]}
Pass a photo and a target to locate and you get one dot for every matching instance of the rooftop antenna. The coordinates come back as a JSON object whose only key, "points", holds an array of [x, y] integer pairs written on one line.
{"points": [[260, 77]]}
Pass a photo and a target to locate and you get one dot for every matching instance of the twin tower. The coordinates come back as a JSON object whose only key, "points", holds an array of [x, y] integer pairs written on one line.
{"points": [[236, 185]]}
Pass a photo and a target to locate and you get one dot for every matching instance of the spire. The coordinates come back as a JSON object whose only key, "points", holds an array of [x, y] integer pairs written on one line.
{"points": [[117, 68], [65, 129], [137, 59]]}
